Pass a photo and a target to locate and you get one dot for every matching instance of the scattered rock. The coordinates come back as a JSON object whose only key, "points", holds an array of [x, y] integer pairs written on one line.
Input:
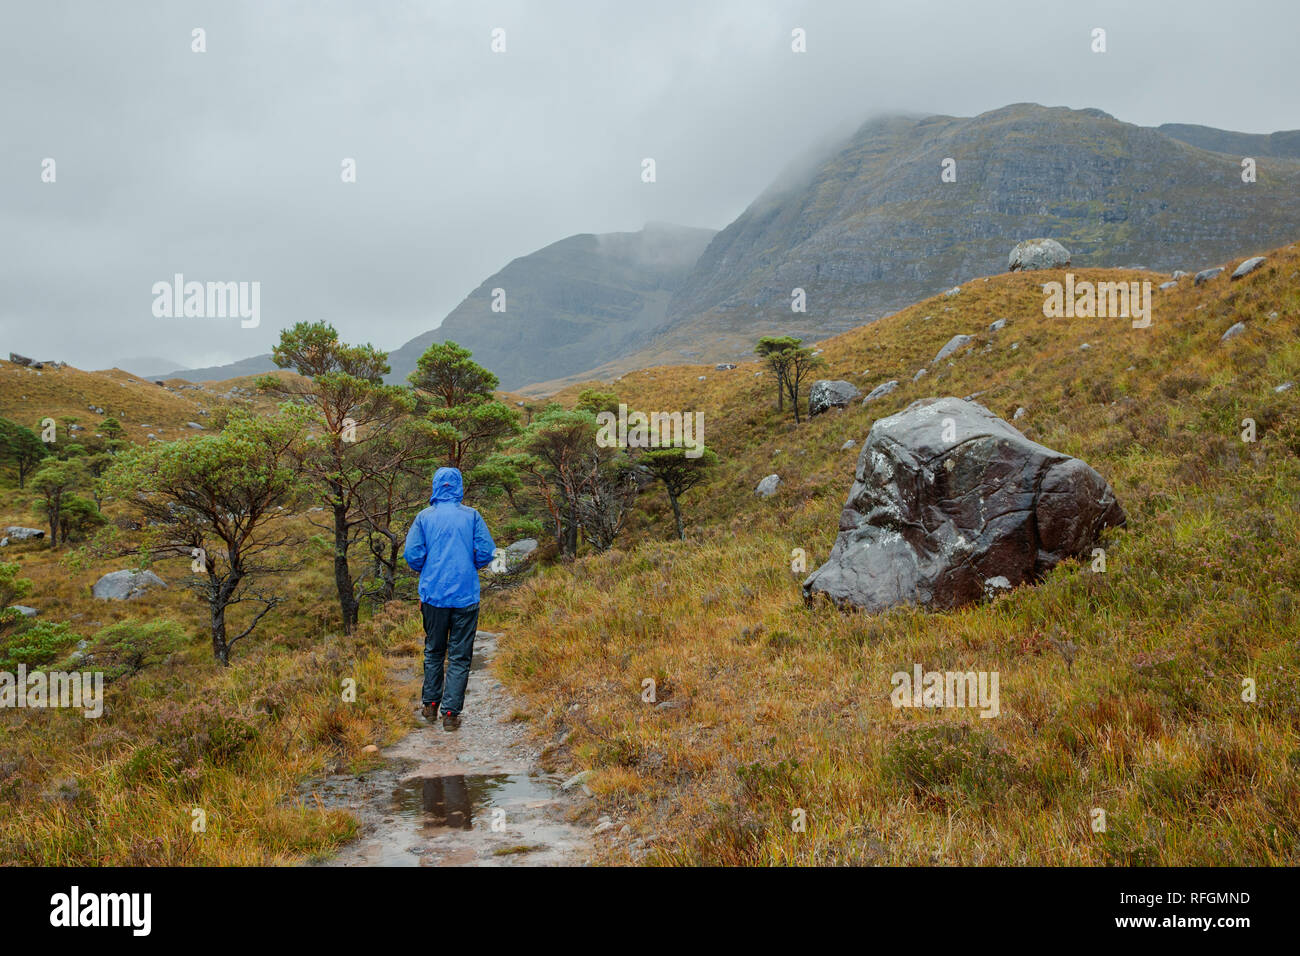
{"points": [[17, 359], [998, 325], [126, 585], [370, 749], [880, 391], [1205, 275], [724, 367], [1233, 332], [955, 290], [1178, 274], [1285, 386], [24, 610], [1020, 413], [929, 521], [1247, 267], [952, 345], [576, 780], [1038, 254], [826, 394], [603, 827], [847, 445], [918, 375], [767, 487], [194, 425], [1172, 283], [1084, 347]]}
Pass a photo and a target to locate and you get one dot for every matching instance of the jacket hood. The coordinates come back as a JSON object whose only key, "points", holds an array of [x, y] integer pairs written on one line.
{"points": [[447, 486]]}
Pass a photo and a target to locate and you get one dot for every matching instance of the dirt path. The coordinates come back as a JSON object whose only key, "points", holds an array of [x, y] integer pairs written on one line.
{"points": [[470, 797]]}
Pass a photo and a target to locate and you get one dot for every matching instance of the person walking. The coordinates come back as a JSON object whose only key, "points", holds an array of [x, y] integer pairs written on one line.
{"points": [[447, 545]]}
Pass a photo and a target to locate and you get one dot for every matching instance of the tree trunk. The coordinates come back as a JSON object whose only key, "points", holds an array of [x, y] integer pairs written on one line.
{"points": [[677, 515], [342, 572], [220, 649]]}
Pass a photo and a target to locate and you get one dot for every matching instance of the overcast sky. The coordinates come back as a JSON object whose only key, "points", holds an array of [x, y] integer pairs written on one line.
{"points": [[225, 165]]}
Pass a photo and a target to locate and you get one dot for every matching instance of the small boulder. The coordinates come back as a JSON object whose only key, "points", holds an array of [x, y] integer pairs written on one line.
{"points": [[1247, 267], [1172, 283], [1233, 332], [24, 610], [767, 487], [126, 585], [724, 367], [194, 425], [17, 359], [847, 445], [880, 391], [1038, 254], [998, 325], [826, 395], [917, 376], [1205, 275], [17, 533], [952, 345], [1284, 387]]}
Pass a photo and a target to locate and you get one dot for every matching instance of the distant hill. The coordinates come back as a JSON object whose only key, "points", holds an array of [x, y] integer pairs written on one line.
{"points": [[144, 366], [1284, 144], [257, 365], [873, 228], [568, 306]]}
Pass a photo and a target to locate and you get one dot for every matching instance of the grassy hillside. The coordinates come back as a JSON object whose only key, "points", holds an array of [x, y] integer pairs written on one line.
{"points": [[1120, 691], [143, 407]]}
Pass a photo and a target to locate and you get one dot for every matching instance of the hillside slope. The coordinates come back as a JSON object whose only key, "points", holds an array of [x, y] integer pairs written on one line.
{"points": [[873, 228], [1120, 691], [569, 305], [143, 407]]}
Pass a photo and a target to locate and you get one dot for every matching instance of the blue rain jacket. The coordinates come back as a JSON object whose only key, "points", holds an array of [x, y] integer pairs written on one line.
{"points": [[447, 544]]}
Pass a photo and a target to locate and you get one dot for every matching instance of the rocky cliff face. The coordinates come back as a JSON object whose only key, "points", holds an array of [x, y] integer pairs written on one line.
{"points": [[570, 306], [874, 228]]}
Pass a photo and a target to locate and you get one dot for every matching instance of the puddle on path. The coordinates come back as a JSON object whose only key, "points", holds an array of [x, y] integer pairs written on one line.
{"points": [[468, 801]]}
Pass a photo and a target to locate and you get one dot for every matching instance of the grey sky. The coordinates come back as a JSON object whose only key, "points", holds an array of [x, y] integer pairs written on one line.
{"points": [[225, 165]]}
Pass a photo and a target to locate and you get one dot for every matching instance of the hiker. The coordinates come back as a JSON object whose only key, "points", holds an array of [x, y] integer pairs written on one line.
{"points": [[447, 544]]}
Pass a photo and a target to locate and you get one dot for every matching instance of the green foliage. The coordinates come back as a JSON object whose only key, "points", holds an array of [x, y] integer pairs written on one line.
{"points": [[41, 643], [12, 590], [21, 449], [128, 647]]}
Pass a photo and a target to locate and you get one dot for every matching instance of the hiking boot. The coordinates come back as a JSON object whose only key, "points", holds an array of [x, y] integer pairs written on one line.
{"points": [[430, 712], [450, 721]]}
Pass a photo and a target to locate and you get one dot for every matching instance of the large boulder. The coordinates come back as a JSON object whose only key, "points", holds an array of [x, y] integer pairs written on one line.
{"points": [[826, 395], [125, 585], [19, 359], [767, 487], [1038, 254], [949, 497], [16, 533]]}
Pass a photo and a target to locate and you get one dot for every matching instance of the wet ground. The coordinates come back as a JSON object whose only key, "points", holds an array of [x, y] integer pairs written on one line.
{"points": [[469, 797]]}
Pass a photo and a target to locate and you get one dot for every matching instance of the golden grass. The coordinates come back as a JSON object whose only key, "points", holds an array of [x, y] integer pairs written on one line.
{"points": [[786, 707]]}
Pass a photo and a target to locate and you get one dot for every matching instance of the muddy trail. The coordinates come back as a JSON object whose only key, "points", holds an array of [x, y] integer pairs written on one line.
{"points": [[469, 797]]}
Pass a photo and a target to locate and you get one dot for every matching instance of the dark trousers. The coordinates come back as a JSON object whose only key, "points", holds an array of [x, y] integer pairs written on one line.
{"points": [[448, 633]]}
